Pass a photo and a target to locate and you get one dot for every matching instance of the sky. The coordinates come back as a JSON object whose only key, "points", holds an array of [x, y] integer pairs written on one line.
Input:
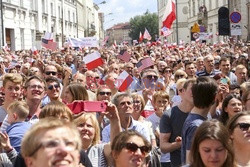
{"points": [[123, 10]]}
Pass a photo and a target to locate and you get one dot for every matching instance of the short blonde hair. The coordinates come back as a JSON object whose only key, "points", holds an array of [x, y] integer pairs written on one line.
{"points": [[13, 77], [161, 94], [31, 139], [83, 118], [21, 108]]}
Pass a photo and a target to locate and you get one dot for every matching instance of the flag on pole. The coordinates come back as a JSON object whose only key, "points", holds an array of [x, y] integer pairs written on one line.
{"points": [[34, 50], [144, 63], [146, 35], [124, 55], [140, 37], [93, 60], [169, 14], [123, 81]]}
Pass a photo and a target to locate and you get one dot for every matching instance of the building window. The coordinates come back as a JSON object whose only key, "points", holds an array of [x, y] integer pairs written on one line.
{"points": [[59, 12], [22, 38], [68, 15], [52, 9], [73, 17], [193, 2], [43, 6]]}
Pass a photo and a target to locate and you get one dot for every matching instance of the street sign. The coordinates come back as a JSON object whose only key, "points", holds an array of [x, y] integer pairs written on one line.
{"points": [[235, 17], [235, 29], [195, 28], [196, 35]]}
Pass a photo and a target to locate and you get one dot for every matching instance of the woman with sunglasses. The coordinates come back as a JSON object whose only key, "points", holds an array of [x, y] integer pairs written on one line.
{"points": [[130, 149], [239, 129], [211, 146]]}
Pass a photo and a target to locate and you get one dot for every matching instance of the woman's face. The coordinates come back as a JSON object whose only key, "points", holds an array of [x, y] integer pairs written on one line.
{"points": [[241, 133], [68, 97], [212, 152], [234, 106], [58, 149], [137, 105], [104, 94], [86, 130], [129, 158]]}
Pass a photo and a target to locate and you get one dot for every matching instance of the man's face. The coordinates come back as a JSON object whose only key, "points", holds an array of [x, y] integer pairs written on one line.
{"points": [[125, 106], [190, 70], [50, 71], [12, 91], [186, 94], [53, 90], [209, 63], [149, 79], [35, 90], [225, 67], [69, 59]]}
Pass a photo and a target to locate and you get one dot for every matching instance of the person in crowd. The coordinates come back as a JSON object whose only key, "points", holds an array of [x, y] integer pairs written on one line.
{"points": [[50, 71], [160, 102], [235, 90], [12, 89], [230, 106], [124, 104], [69, 59], [241, 74], [53, 91], [17, 113], [56, 109], [202, 104], [225, 67], [75, 91], [209, 67], [175, 94], [199, 64], [53, 142], [239, 130], [171, 124], [246, 100], [130, 148], [211, 146], [88, 126], [190, 70], [167, 74]]}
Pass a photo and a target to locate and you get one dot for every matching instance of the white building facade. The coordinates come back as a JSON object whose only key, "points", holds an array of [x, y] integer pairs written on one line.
{"points": [[26, 21]]}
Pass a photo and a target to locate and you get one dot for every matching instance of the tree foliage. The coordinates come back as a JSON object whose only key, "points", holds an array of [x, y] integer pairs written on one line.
{"points": [[140, 22]]}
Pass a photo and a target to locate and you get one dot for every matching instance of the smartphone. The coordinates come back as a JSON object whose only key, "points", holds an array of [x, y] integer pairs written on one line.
{"points": [[87, 106], [223, 80]]}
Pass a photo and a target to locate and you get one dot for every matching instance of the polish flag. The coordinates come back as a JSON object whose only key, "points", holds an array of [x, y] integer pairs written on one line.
{"points": [[123, 81], [140, 37], [34, 50], [146, 35], [169, 15], [93, 60]]}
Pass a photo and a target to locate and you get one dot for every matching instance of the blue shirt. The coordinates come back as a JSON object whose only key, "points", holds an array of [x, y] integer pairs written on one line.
{"points": [[205, 73]]}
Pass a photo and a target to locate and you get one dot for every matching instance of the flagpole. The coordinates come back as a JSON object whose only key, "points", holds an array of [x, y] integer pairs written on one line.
{"points": [[177, 33]]}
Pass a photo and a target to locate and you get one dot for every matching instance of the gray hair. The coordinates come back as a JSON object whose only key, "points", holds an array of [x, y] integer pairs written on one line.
{"points": [[117, 96]]}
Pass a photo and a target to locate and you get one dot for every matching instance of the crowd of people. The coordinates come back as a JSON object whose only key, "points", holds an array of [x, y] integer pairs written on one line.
{"points": [[191, 107]]}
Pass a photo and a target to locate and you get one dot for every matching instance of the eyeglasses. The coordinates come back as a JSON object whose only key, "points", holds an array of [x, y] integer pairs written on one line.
{"points": [[50, 87], [167, 71], [52, 144], [39, 87], [105, 93], [126, 102], [136, 102], [50, 72], [179, 76], [243, 126], [150, 77], [134, 147]]}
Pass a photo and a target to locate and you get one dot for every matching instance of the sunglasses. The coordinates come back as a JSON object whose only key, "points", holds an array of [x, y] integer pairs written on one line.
{"points": [[243, 126], [134, 147], [150, 77], [50, 87], [136, 102], [105, 93], [179, 76], [50, 72]]}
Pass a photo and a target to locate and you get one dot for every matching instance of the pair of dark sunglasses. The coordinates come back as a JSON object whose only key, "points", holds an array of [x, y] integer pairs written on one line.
{"points": [[134, 147], [50, 72], [105, 93], [136, 101], [243, 126], [50, 87], [150, 77]]}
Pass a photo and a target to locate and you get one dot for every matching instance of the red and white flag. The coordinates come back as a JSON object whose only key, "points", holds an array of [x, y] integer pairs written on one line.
{"points": [[146, 35], [34, 50], [169, 14], [93, 60], [123, 81], [140, 37]]}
